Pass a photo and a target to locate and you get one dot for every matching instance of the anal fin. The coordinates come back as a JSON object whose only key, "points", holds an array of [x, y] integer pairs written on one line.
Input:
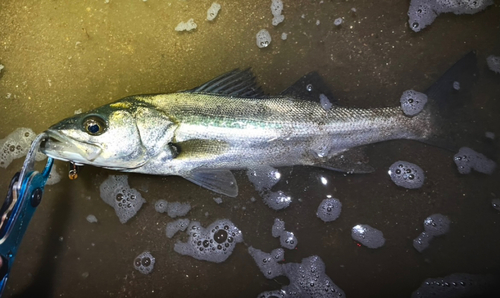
{"points": [[219, 181]]}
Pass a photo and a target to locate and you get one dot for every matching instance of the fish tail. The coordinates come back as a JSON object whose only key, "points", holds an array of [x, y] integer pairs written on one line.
{"points": [[446, 120]]}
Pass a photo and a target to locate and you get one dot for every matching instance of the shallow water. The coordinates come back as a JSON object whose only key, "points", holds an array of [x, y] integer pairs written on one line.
{"points": [[63, 56]]}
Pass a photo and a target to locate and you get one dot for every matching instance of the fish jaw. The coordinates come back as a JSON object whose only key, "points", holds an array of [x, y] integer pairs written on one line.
{"points": [[60, 146]]}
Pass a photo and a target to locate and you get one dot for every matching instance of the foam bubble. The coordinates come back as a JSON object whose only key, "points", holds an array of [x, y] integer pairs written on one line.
{"points": [[288, 240], [91, 218], [144, 263], [421, 14], [308, 279], [338, 22], [276, 200], [213, 11], [325, 102], [278, 227], [459, 285], [467, 159], [412, 102], [16, 145], [495, 203], [406, 174], [437, 224], [176, 226], [493, 63], [116, 192], [368, 236], [213, 244], [175, 209], [329, 209], [268, 262], [422, 241], [263, 177], [161, 206], [186, 26], [263, 38]]}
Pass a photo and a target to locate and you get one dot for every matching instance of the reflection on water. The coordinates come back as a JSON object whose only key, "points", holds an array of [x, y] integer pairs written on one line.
{"points": [[61, 57]]}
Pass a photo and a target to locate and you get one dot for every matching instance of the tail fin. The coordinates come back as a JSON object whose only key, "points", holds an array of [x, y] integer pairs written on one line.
{"points": [[452, 126]]}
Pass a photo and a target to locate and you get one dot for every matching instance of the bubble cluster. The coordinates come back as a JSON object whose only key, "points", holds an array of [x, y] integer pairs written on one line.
{"points": [[434, 225], [176, 226], [423, 12], [467, 159], [276, 200], [213, 11], [437, 224], [368, 236], [325, 102], [268, 262], [263, 177], [458, 285], [406, 174], [329, 209], [116, 192], [16, 145], [288, 240], [412, 102], [176, 209], [213, 244], [186, 26], [278, 227], [91, 218], [263, 38], [493, 63], [276, 9], [161, 206], [307, 279], [144, 263], [495, 203]]}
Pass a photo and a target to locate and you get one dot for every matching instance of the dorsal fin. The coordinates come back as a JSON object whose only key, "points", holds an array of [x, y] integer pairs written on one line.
{"points": [[237, 82], [310, 87]]}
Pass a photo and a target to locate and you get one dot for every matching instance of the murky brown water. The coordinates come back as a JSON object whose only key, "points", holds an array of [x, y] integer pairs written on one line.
{"points": [[64, 56]]}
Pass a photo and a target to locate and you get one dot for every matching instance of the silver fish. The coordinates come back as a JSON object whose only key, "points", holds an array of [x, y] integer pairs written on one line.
{"points": [[228, 124]]}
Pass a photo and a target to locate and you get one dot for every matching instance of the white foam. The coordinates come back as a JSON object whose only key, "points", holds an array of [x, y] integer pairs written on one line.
{"points": [[412, 102], [437, 224], [175, 209], [329, 209], [179, 225], [213, 11], [54, 176], [268, 262], [126, 201], [368, 236], [493, 63], [263, 177], [406, 174], [338, 22], [467, 159], [278, 227], [288, 240], [91, 218], [186, 26], [325, 102], [218, 200], [263, 38], [16, 145], [284, 36], [144, 263], [161, 206]]}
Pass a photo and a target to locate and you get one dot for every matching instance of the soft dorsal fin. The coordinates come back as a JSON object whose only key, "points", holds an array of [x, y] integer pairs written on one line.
{"points": [[237, 82], [310, 87]]}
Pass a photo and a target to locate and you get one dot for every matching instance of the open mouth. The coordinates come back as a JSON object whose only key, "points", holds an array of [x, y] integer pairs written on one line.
{"points": [[62, 147]]}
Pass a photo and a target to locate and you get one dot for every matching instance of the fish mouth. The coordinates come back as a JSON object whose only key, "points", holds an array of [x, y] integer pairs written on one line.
{"points": [[60, 146]]}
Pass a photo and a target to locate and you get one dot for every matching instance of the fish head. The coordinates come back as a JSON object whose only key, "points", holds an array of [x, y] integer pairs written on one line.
{"points": [[119, 136]]}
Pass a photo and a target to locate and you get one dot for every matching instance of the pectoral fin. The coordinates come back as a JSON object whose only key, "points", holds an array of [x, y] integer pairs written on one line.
{"points": [[353, 161], [219, 181]]}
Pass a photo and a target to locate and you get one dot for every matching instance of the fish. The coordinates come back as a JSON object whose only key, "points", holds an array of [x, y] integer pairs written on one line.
{"points": [[228, 123]]}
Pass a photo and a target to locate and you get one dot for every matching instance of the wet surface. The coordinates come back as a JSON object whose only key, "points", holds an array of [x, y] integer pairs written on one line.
{"points": [[63, 56]]}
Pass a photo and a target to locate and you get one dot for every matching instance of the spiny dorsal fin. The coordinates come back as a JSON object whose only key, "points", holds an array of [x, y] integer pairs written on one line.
{"points": [[237, 82], [310, 87]]}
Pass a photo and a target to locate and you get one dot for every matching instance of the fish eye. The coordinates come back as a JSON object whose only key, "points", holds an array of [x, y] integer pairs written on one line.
{"points": [[94, 125]]}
